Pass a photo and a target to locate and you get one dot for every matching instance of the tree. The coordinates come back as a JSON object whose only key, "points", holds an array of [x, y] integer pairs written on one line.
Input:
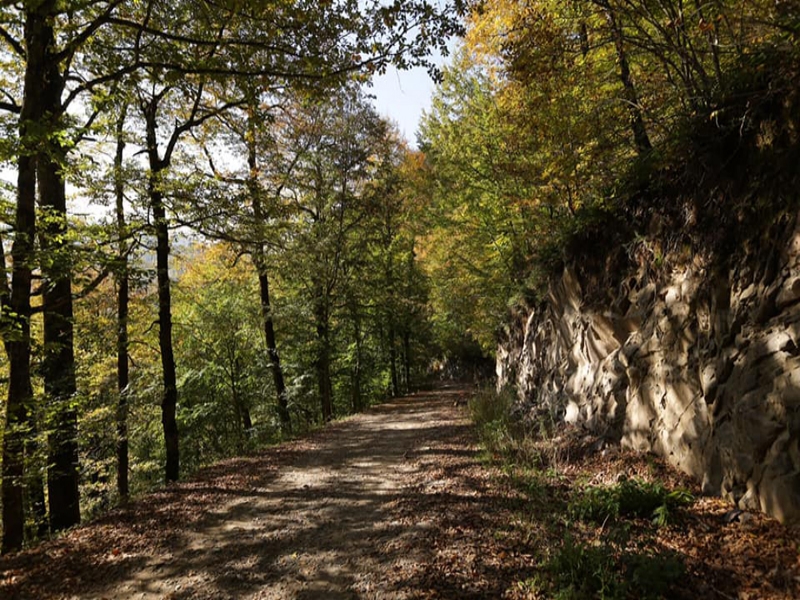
{"points": [[249, 217], [46, 38], [221, 46], [337, 141], [223, 377], [82, 56]]}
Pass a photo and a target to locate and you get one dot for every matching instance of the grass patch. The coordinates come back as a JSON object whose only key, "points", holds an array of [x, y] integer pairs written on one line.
{"points": [[584, 537], [629, 498], [505, 438], [581, 571]]}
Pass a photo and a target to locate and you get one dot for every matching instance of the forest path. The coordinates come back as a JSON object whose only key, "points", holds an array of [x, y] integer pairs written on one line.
{"points": [[391, 503]]}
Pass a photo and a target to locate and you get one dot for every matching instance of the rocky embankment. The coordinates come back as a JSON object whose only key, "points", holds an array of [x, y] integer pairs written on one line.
{"points": [[697, 363]]}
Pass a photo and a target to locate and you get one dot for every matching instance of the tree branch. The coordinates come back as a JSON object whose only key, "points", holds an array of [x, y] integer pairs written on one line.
{"points": [[10, 107], [16, 46], [76, 42], [92, 285]]}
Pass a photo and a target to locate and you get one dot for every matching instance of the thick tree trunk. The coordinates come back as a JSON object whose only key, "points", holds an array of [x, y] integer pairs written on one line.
{"points": [[16, 431], [33, 478], [123, 374], [18, 309], [18, 348], [58, 366]]}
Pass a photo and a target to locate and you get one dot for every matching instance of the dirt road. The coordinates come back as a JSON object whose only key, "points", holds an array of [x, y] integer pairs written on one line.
{"points": [[387, 504]]}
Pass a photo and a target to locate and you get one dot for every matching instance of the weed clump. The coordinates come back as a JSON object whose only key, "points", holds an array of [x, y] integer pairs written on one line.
{"points": [[629, 498], [502, 434], [578, 571]]}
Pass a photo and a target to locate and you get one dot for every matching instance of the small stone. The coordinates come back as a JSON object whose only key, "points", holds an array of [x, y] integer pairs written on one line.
{"points": [[732, 516]]}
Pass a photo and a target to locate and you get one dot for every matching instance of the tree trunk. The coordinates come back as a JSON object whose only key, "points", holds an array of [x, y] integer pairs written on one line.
{"points": [[239, 402], [18, 348], [58, 365], [18, 344], [393, 359], [123, 284], [583, 37], [640, 137], [407, 357], [391, 304], [408, 316], [243, 423], [34, 480], [263, 282], [324, 357], [272, 347], [247, 421], [169, 401], [357, 402], [169, 398], [20, 396]]}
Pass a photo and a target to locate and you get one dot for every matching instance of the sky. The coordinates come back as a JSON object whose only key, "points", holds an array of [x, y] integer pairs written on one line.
{"points": [[402, 96]]}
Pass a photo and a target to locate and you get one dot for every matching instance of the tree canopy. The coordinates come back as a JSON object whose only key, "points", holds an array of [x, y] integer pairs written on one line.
{"points": [[150, 79]]}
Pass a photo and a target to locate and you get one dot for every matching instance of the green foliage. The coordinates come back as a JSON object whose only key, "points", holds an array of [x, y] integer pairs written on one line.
{"points": [[503, 435], [491, 412], [629, 498], [577, 571], [223, 377], [480, 223], [560, 128], [581, 571]]}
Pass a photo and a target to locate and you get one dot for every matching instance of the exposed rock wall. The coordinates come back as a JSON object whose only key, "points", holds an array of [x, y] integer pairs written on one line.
{"points": [[698, 364]]}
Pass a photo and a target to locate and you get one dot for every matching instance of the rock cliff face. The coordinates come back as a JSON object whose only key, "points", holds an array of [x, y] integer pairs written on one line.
{"points": [[698, 363]]}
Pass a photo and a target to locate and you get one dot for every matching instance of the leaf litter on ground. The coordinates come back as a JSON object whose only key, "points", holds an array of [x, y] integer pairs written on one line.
{"points": [[457, 527]]}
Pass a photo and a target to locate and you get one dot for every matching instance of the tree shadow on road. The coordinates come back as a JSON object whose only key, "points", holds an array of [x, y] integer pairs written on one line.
{"points": [[317, 518]]}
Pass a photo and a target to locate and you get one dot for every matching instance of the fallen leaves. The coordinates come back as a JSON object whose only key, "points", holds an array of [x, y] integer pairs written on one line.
{"points": [[457, 529]]}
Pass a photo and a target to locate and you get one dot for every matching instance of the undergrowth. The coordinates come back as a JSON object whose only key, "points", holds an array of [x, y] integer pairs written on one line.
{"points": [[607, 570], [504, 437], [589, 540], [629, 498]]}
